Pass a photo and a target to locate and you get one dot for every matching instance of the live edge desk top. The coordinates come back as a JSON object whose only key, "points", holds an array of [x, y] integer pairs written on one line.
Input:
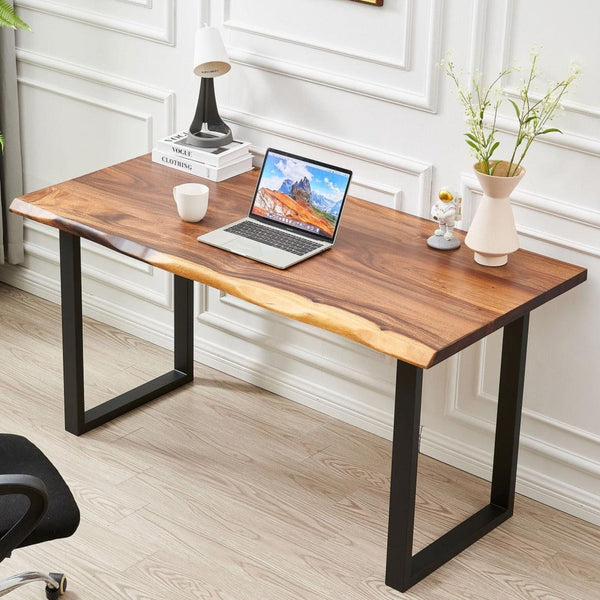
{"points": [[380, 285]]}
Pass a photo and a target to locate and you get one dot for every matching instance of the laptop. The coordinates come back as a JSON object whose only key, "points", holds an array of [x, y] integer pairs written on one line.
{"points": [[295, 212]]}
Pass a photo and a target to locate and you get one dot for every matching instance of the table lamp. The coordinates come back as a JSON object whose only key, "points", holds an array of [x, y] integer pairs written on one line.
{"points": [[210, 60]]}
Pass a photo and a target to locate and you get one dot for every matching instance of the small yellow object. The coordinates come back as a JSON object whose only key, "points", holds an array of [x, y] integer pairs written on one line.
{"points": [[445, 195]]}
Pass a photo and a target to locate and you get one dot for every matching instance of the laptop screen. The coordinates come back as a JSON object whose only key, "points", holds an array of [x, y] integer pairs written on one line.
{"points": [[300, 193]]}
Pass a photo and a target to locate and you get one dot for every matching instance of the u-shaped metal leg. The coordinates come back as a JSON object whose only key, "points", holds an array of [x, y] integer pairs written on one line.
{"points": [[78, 420], [403, 569]]}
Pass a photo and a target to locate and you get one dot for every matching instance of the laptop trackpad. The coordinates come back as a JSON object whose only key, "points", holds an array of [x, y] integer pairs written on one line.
{"points": [[255, 250]]}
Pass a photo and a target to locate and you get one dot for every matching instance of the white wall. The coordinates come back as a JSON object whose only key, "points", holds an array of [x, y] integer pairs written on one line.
{"points": [[355, 85]]}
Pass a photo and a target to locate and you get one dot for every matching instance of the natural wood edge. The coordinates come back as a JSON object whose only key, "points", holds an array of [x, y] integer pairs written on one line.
{"points": [[303, 309], [26, 209], [283, 302]]}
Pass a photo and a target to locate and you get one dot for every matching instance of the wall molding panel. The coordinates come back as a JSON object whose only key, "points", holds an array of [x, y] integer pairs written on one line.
{"points": [[401, 63], [117, 290], [424, 98], [477, 410], [47, 80], [51, 237], [568, 140], [506, 58], [483, 417], [164, 34], [284, 343], [96, 264], [118, 283], [478, 35], [144, 117], [348, 53], [374, 191], [165, 97], [418, 170], [472, 457]]}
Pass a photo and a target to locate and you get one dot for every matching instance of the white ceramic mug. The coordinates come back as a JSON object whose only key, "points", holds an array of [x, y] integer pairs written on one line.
{"points": [[191, 200]]}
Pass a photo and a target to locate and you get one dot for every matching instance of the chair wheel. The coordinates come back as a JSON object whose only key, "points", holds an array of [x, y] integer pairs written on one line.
{"points": [[54, 593]]}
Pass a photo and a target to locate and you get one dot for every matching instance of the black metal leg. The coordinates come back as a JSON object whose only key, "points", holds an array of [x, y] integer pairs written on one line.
{"points": [[78, 420], [405, 451], [508, 420], [183, 315], [72, 332], [403, 569]]}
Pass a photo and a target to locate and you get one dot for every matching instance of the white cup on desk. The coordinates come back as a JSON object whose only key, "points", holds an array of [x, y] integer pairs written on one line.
{"points": [[191, 200]]}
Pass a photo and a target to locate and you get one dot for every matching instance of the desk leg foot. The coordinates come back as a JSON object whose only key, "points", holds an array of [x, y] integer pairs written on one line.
{"points": [[403, 569], [78, 420]]}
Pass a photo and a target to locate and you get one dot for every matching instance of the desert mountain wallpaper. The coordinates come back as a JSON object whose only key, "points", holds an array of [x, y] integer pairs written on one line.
{"points": [[301, 194]]}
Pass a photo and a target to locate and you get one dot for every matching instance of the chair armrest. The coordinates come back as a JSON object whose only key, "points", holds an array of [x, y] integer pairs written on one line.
{"points": [[35, 491]]}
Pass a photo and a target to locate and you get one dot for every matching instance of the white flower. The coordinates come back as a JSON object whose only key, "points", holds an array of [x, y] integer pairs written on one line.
{"points": [[481, 106]]}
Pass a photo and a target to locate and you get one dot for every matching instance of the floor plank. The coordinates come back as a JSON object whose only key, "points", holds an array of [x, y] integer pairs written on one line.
{"points": [[222, 491]]}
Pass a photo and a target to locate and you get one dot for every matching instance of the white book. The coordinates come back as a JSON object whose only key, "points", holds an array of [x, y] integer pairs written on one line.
{"points": [[177, 145], [193, 167]]}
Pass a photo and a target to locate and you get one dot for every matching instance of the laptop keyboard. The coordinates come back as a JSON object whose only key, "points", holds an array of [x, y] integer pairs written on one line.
{"points": [[273, 237]]}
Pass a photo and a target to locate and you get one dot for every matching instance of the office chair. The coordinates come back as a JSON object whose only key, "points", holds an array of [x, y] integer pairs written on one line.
{"points": [[35, 506]]}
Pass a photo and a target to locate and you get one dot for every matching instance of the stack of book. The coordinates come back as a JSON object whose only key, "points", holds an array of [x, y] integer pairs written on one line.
{"points": [[215, 164]]}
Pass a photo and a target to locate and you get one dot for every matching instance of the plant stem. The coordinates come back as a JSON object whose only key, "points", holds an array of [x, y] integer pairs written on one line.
{"points": [[477, 101]]}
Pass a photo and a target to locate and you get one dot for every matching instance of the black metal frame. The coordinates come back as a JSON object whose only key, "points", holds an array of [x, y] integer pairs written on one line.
{"points": [[78, 420], [403, 569]]}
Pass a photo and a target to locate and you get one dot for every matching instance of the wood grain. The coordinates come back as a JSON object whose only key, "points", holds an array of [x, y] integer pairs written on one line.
{"points": [[222, 491], [380, 285]]}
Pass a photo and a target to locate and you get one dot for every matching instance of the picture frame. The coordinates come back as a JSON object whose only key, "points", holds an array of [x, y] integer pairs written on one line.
{"points": [[373, 2]]}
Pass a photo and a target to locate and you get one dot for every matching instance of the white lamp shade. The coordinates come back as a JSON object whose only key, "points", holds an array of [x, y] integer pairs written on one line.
{"points": [[210, 57]]}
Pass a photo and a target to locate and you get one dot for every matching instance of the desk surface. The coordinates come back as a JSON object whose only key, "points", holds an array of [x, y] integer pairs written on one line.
{"points": [[380, 285]]}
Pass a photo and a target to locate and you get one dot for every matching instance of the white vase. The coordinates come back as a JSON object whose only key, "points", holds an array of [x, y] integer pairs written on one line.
{"points": [[492, 234]]}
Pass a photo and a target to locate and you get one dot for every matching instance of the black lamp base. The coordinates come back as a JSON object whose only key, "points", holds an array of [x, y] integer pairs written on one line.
{"points": [[208, 129]]}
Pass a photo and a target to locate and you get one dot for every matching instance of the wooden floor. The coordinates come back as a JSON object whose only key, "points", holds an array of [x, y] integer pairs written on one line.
{"points": [[223, 491]]}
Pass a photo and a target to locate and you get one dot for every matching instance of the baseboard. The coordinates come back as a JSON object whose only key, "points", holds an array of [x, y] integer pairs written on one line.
{"points": [[319, 398], [543, 488], [96, 308]]}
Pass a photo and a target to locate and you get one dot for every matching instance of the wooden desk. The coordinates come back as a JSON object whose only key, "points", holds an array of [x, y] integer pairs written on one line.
{"points": [[380, 286]]}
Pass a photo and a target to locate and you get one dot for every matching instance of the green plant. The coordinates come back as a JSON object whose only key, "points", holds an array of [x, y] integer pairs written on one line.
{"points": [[8, 18], [533, 113]]}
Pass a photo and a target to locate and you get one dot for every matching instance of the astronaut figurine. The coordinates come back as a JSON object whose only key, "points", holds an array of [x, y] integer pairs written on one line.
{"points": [[445, 212]]}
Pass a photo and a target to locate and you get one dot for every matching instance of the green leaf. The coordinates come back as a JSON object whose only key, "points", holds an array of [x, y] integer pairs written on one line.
{"points": [[1, 143], [516, 108], [551, 130], [474, 146], [8, 17], [494, 148], [472, 137]]}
